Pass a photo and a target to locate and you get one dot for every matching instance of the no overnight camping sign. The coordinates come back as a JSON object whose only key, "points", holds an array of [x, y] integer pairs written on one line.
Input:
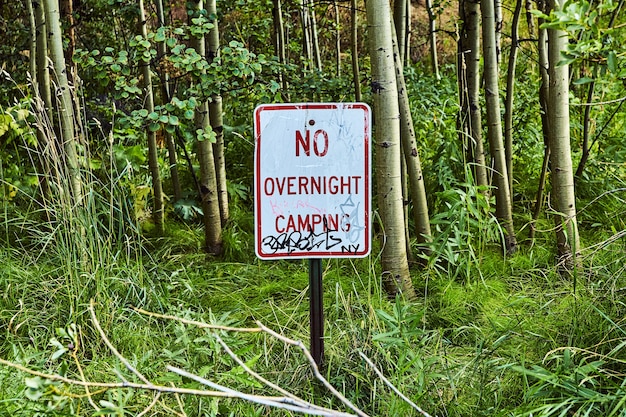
{"points": [[312, 192]]}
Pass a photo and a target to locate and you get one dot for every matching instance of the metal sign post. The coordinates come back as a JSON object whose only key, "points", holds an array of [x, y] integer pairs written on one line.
{"points": [[316, 307], [312, 192]]}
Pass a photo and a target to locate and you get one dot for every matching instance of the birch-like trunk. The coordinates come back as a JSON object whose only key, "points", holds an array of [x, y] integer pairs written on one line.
{"points": [[42, 73], [165, 92], [208, 177], [504, 210], [412, 160], [400, 20], [279, 36], [542, 49], [510, 86], [65, 102], [354, 49], [153, 157], [474, 109], [215, 112], [394, 260], [563, 197], [432, 38]]}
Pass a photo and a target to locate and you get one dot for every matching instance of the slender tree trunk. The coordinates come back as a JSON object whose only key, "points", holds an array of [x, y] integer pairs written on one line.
{"points": [[432, 38], [65, 104], [412, 160], [510, 86], [394, 260], [497, 10], [165, 92], [354, 49], [208, 177], [32, 57], [215, 112], [337, 38], [279, 35], [563, 197], [307, 43], [153, 157], [472, 62], [504, 211], [42, 74], [317, 56], [542, 47], [400, 22]]}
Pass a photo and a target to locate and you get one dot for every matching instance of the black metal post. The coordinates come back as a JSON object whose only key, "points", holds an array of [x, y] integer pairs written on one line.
{"points": [[316, 310]]}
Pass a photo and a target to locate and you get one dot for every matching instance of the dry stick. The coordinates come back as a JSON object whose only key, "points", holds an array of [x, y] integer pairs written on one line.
{"points": [[286, 393], [199, 323], [115, 385], [112, 348], [276, 402], [82, 377], [263, 328], [150, 406], [251, 372], [394, 389], [314, 367]]}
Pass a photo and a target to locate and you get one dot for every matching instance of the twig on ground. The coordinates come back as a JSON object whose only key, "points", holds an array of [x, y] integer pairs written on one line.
{"points": [[285, 403], [198, 323], [112, 348], [314, 367], [393, 387]]}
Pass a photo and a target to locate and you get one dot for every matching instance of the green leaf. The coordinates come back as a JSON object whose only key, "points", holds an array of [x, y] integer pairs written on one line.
{"points": [[153, 127], [189, 114], [583, 80], [611, 61]]}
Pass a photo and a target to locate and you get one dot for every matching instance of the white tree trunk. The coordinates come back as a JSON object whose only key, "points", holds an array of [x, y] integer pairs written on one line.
{"points": [[387, 150]]}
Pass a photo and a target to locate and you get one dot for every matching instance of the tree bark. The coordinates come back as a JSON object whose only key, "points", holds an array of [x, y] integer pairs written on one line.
{"points": [[510, 86], [474, 110], [65, 104], [215, 112], [354, 49], [542, 48], [504, 211], [412, 159], [208, 177], [400, 23], [432, 38], [165, 92], [563, 197], [394, 260], [153, 158]]}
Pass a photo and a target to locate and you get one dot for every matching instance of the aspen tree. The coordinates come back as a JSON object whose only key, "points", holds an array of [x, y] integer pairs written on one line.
{"points": [[542, 48], [504, 210], [208, 177], [510, 86], [471, 53], [411, 156], [394, 260], [562, 176], [354, 49], [65, 102], [165, 92], [215, 117], [153, 157]]}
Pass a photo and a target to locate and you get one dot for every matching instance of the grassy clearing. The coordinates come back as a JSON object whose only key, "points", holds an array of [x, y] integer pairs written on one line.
{"points": [[512, 337]]}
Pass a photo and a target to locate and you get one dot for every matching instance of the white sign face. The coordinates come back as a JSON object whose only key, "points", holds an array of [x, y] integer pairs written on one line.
{"points": [[312, 191]]}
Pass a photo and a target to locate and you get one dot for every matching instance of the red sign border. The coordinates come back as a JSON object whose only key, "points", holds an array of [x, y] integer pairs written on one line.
{"points": [[257, 174]]}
